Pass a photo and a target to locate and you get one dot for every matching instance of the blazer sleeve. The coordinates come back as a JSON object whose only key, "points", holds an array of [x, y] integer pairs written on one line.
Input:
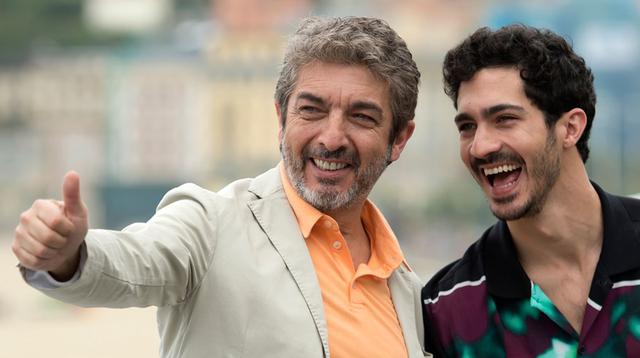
{"points": [[159, 262]]}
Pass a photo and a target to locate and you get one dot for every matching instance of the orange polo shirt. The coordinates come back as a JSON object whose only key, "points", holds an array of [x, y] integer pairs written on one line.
{"points": [[361, 318]]}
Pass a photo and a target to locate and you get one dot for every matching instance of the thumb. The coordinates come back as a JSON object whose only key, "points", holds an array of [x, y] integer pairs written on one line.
{"points": [[73, 205]]}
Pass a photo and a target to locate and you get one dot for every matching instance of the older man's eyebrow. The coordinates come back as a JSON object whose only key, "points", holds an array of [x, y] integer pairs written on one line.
{"points": [[366, 105], [310, 97]]}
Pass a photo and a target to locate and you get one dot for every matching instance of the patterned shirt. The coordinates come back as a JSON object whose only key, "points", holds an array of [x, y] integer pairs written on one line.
{"points": [[484, 305]]}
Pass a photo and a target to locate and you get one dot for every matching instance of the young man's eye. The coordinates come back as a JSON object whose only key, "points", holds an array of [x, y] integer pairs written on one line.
{"points": [[465, 127]]}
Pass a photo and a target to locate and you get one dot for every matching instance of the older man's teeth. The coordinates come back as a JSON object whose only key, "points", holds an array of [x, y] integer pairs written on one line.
{"points": [[500, 169], [325, 165]]}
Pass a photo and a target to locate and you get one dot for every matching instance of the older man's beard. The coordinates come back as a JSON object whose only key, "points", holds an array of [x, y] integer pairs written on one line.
{"points": [[329, 198]]}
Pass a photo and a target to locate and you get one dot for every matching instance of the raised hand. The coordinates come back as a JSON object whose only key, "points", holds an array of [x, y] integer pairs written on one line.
{"points": [[49, 234]]}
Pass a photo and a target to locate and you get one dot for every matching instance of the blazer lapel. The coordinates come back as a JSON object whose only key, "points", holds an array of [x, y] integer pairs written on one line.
{"points": [[275, 216], [406, 300]]}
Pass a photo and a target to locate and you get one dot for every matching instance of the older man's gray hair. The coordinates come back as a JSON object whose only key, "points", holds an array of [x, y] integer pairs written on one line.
{"points": [[359, 41]]}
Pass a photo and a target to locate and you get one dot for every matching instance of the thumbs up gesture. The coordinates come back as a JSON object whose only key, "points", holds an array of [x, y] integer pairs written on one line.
{"points": [[49, 234]]}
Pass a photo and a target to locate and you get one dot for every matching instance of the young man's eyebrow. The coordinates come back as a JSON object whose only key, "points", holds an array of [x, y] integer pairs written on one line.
{"points": [[462, 117], [488, 112]]}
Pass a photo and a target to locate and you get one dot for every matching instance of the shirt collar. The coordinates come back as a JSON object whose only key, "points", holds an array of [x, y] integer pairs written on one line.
{"points": [[306, 215], [621, 241], [385, 248], [385, 252], [621, 233], [505, 276]]}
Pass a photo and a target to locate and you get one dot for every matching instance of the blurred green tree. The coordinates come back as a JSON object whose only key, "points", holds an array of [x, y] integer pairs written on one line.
{"points": [[27, 24]]}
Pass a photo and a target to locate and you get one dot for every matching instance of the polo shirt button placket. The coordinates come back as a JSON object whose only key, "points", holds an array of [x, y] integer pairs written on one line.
{"points": [[356, 294]]}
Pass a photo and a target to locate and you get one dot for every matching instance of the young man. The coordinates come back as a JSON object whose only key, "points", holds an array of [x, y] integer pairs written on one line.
{"points": [[293, 263], [559, 274]]}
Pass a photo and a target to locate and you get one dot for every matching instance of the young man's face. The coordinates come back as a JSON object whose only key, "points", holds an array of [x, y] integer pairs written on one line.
{"points": [[335, 143], [505, 143]]}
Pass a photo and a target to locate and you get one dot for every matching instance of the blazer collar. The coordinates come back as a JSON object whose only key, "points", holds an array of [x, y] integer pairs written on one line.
{"points": [[405, 288], [274, 214], [267, 184]]}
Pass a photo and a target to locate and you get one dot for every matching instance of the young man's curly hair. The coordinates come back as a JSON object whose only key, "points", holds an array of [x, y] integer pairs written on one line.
{"points": [[555, 78]]}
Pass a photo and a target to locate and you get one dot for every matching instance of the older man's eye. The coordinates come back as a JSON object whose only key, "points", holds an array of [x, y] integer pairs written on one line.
{"points": [[310, 112], [364, 117], [309, 109]]}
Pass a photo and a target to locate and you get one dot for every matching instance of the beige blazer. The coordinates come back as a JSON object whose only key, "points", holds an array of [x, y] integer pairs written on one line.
{"points": [[229, 272]]}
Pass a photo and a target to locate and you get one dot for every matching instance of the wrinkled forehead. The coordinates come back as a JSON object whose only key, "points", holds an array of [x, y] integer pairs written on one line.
{"points": [[340, 82]]}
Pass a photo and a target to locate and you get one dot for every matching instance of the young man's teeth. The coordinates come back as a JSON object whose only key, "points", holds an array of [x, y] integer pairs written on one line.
{"points": [[324, 165], [500, 169]]}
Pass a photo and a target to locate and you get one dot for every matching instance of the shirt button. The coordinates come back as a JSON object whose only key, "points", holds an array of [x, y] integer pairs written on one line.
{"points": [[337, 245], [328, 224]]}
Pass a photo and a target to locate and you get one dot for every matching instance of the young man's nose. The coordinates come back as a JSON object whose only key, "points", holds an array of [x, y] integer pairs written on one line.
{"points": [[485, 142]]}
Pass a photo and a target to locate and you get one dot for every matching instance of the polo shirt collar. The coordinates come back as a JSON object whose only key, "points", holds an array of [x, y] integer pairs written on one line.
{"points": [[506, 278], [385, 253], [306, 215]]}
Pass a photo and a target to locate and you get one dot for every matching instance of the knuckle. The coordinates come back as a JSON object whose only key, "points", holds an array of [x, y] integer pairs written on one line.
{"points": [[27, 261], [16, 249], [40, 264], [25, 217], [48, 238], [42, 252], [56, 243], [55, 221], [43, 237], [37, 264], [39, 203]]}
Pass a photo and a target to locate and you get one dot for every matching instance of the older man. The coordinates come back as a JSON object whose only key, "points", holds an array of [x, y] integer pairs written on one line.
{"points": [[296, 262]]}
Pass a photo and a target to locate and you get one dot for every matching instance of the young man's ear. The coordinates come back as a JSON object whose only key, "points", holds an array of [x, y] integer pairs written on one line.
{"points": [[401, 140], [573, 124]]}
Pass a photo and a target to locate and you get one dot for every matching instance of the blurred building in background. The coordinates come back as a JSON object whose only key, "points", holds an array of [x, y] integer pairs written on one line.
{"points": [[52, 117], [141, 96]]}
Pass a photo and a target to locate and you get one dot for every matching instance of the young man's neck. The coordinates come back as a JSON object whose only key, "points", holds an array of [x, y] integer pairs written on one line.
{"points": [[559, 248], [568, 227]]}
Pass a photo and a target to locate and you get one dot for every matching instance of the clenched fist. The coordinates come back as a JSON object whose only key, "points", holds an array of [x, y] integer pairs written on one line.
{"points": [[50, 233]]}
